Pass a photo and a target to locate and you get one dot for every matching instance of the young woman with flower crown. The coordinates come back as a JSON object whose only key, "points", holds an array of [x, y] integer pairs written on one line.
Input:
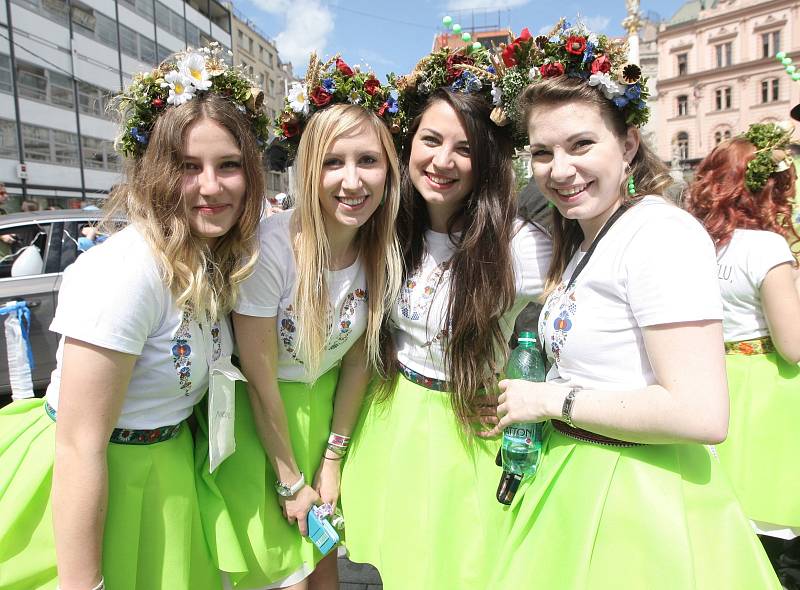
{"points": [[143, 322], [743, 194], [626, 496], [419, 483], [307, 327]]}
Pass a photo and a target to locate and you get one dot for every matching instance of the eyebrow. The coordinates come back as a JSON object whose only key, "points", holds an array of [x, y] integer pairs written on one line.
{"points": [[439, 135], [571, 138], [230, 156]]}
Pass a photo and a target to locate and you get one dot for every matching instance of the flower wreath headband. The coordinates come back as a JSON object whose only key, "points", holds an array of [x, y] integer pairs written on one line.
{"points": [[575, 52], [772, 155], [327, 83], [177, 80]]}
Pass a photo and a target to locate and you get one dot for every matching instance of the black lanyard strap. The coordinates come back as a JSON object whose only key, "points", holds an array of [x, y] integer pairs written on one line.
{"points": [[603, 231]]}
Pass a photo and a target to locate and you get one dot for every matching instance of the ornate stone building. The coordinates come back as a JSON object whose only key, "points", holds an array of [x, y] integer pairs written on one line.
{"points": [[717, 73]]}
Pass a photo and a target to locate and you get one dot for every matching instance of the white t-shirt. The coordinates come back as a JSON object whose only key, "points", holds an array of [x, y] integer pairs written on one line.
{"points": [[419, 315], [654, 266], [742, 265], [113, 297], [270, 292]]}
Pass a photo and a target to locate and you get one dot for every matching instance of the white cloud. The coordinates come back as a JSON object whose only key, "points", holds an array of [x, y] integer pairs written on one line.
{"points": [[488, 4], [308, 25], [597, 24]]}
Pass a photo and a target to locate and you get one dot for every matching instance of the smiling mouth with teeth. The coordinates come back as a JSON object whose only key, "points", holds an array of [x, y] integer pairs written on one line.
{"points": [[440, 179], [352, 201], [571, 191]]}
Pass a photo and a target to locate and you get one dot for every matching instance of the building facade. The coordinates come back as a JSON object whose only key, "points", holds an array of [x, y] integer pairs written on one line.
{"points": [[259, 56], [717, 73], [60, 61]]}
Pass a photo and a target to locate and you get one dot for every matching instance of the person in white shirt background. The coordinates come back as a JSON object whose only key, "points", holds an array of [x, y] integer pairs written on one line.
{"points": [[743, 194], [627, 496], [307, 327], [142, 318]]}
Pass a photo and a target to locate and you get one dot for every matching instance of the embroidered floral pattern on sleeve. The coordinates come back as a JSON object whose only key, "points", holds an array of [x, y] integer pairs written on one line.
{"points": [[181, 350], [560, 307], [287, 330], [216, 350]]}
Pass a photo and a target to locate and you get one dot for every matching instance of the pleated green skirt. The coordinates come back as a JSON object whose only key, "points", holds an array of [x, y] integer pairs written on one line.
{"points": [[419, 498], [153, 535], [654, 517], [762, 452], [249, 537]]}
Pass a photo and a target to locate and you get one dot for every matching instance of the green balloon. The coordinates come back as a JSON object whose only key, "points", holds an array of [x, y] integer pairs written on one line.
{"points": [[791, 69], [447, 21], [466, 37], [456, 28], [796, 76], [780, 55], [787, 61], [477, 45]]}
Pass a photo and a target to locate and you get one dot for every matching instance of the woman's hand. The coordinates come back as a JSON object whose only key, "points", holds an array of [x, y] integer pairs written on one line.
{"points": [[527, 401], [295, 508], [327, 479]]}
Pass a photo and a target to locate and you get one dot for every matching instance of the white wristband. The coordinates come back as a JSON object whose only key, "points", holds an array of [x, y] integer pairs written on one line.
{"points": [[100, 586]]}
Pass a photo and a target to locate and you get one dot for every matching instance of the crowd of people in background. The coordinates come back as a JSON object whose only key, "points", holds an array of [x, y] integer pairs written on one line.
{"points": [[371, 314]]}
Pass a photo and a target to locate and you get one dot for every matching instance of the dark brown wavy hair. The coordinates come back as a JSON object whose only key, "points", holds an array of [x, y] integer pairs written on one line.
{"points": [[719, 198], [649, 173], [481, 269]]}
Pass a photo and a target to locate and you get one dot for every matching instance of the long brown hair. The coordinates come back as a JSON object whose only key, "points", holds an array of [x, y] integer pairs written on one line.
{"points": [[205, 278], [719, 198], [649, 173], [376, 240], [481, 269]]}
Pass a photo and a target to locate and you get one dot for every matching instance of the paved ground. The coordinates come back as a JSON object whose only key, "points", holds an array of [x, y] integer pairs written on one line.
{"points": [[358, 576]]}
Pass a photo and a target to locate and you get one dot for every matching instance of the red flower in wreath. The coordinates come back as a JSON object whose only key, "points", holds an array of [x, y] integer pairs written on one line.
{"points": [[383, 108], [158, 103], [371, 86], [575, 45], [552, 70], [510, 54], [601, 65], [319, 96], [343, 67], [452, 61], [290, 129]]}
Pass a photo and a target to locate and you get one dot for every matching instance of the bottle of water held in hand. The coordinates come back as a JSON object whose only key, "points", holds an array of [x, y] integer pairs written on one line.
{"points": [[522, 443]]}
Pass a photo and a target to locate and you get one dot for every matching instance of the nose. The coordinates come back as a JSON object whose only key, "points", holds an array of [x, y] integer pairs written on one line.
{"points": [[209, 181], [443, 158], [351, 178], [561, 168]]}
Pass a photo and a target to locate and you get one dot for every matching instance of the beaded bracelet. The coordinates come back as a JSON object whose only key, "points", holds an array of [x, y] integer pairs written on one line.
{"points": [[338, 443]]}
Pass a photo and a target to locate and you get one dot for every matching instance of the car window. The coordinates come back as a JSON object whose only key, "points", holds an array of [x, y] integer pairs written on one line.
{"points": [[80, 236], [22, 250]]}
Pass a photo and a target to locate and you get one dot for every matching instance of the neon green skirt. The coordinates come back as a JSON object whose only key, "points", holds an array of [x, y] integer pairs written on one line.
{"points": [[249, 536], [660, 517], [418, 500], [153, 535], [762, 450]]}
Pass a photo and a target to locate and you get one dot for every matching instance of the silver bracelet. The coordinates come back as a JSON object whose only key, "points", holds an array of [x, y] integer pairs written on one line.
{"points": [[100, 586], [566, 409]]}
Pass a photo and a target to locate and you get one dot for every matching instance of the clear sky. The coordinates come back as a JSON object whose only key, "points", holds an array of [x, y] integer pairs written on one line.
{"points": [[390, 36]]}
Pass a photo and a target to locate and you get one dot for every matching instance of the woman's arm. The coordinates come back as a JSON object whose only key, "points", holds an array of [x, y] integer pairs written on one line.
{"points": [[93, 385], [257, 341], [688, 404], [354, 378], [780, 299]]}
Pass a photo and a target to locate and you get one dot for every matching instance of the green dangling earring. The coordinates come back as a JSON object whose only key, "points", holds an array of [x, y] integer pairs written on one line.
{"points": [[631, 186]]}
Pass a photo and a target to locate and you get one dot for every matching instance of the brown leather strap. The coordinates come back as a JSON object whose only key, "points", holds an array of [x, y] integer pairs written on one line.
{"points": [[586, 436]]}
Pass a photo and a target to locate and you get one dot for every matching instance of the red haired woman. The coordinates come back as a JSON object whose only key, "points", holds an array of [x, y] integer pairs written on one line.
{"points": [[743, 195]]}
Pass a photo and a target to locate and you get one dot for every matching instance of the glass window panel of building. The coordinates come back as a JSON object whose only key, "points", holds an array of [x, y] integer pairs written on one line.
{"points": [[724, 53], [683, 105], [770, 43], [770, 90], [723, 98], [8, 139], [683, 63]]}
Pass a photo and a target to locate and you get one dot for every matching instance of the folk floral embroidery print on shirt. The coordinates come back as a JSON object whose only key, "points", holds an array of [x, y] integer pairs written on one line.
{"points": [[560, 310], [181, 350], [346, 313], [420, 307], [287, 331]]}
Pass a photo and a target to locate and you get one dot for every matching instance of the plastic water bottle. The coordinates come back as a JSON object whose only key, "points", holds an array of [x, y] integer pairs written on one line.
{"points": [[522, 443]]}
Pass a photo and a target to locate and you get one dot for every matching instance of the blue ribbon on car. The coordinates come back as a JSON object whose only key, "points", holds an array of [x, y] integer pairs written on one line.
{"points": [[24, 316]]}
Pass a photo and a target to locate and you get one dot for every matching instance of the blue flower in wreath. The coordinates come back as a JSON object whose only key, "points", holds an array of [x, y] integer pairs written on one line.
{"points": [[633, 92], [329, 85], [140, 137], [620, 101], [588, 53]]}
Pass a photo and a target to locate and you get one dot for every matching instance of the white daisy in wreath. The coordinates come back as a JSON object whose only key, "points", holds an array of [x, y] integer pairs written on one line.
{"points": [[194, 66], [298, 98], [181, 88]]}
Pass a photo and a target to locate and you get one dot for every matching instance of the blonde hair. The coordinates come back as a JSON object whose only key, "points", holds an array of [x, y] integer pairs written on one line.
{"points": [[376, 240], [202, 278], [650, 175]]}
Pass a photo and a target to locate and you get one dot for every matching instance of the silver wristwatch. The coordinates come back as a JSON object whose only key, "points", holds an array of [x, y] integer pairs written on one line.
{"points": [[566, 409], [286, 490]]}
